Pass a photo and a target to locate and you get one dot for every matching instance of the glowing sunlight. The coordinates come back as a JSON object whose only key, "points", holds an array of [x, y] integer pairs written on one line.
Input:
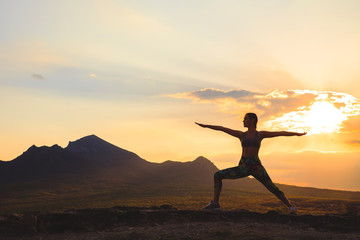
{"points": [[324, 117], [325, 114], [321, 117]]}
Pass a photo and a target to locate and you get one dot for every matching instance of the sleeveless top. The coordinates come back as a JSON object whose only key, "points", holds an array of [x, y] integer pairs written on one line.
{"points": [[250, 142]]}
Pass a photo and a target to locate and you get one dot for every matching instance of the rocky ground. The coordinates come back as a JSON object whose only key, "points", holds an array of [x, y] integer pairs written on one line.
{"points": [[166, 222]]}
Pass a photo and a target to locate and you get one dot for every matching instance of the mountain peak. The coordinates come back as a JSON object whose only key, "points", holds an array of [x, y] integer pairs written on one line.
{"points": [[201, 159], [32, 148], [91, 136], [91, 144], [203, 162], [88, 138]]}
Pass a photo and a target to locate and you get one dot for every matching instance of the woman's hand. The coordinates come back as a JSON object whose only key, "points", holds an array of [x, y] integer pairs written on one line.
{"points": [[201, 125], [301, 134]]}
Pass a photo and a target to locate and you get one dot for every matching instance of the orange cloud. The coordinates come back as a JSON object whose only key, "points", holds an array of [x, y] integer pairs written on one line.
{"points": [[301, 110]]}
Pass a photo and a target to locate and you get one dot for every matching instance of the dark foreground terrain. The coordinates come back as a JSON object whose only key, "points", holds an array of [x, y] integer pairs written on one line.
{"points": [[92, 176], [166, 222]]}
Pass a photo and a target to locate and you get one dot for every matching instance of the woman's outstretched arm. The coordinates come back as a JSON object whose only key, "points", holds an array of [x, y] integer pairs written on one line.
{"points": [[232, 132], [266, 134]]}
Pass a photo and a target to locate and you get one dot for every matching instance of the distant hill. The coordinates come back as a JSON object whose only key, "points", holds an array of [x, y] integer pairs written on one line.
{"points": [[94, 162], [197, 172]]}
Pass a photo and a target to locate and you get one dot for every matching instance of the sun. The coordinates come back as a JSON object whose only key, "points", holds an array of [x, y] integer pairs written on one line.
{"points": [[320, 117]]}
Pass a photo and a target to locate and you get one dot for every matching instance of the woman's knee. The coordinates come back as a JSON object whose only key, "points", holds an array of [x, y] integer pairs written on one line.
{"points": [[218, 176]]}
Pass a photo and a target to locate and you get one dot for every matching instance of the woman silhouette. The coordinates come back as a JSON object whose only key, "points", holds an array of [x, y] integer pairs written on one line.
{"points": [[250, 163]]}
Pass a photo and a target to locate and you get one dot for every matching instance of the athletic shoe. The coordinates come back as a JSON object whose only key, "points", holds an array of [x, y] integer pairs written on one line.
{"points": [[293, 210], [212, 206]]}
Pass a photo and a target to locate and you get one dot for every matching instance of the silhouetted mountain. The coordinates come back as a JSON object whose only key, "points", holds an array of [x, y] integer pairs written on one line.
{"points": [[90, 145], [106, 156], [92, 157], [97, 148]]}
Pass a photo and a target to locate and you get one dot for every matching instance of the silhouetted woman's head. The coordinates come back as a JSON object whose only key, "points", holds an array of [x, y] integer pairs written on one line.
{"points": [[252, 117]]}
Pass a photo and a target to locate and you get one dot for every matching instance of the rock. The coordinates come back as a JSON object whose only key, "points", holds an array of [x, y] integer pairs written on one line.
{"points": [[29, 222]]}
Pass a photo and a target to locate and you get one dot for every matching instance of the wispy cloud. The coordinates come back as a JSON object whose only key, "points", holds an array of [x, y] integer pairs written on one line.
{"points": [[303, 110], [354, 142], [38, 76], [213, 94]]}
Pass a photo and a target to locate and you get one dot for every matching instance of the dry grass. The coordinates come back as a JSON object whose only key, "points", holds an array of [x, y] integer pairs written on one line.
{"points": [[181, 197]]}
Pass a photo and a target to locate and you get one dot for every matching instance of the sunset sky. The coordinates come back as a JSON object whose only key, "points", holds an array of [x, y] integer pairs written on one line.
{"points": [[140, 73]]}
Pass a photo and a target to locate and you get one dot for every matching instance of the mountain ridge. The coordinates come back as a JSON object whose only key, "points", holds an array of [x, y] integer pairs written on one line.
{"points": [[95, 157]]}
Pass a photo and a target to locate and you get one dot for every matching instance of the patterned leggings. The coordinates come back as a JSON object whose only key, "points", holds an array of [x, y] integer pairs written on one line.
{"points": [[247, 166]]}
